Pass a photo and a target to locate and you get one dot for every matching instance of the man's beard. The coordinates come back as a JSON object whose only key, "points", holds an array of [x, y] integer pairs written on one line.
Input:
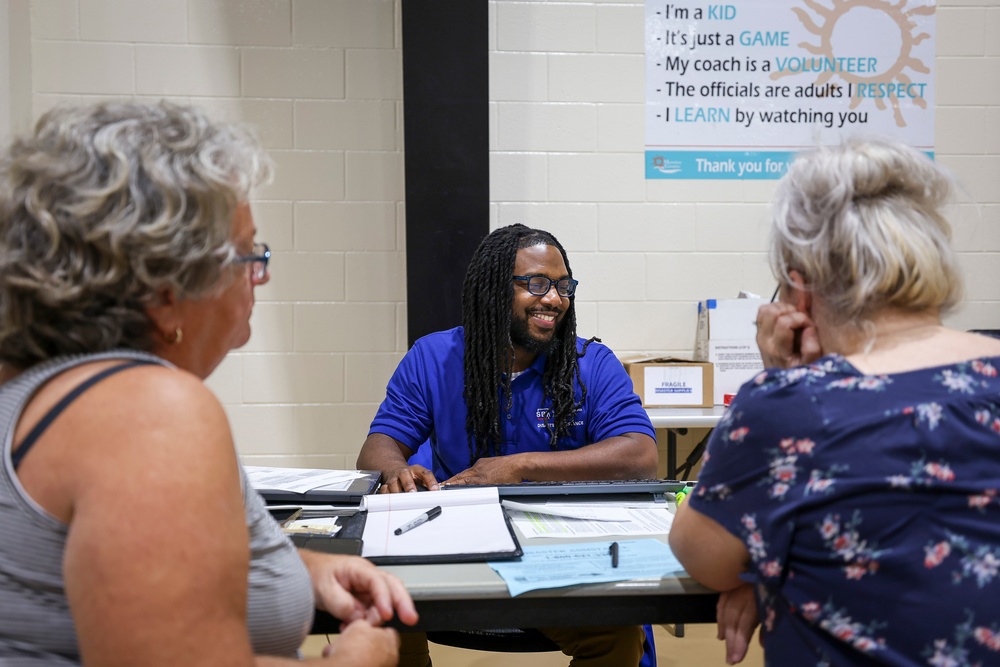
{"points": [[522, 338]]}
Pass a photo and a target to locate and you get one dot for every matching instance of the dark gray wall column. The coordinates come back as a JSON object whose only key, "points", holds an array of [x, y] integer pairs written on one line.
{"points": [[446, 133]]}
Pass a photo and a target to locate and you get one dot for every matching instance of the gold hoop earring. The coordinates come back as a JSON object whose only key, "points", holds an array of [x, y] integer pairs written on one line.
{"points": [[177, 337]]}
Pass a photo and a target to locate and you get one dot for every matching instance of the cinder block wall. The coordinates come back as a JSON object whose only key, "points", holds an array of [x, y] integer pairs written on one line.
{"points": [[321, 80]]}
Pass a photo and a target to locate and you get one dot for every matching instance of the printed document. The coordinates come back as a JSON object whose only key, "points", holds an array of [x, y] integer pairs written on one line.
{"points": [[582, 519], [299, 480], [568, 564]]}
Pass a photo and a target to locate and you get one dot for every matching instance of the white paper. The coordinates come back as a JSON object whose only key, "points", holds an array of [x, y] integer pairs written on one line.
{"points": [[427, 499], [640, 521], [299, 480], [471, 522], [673, 385], [572, 510], [324, 522], [314, 526], [460, 529]]}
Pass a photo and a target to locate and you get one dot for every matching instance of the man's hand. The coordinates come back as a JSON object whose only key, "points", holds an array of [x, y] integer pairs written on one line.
{"points": [[490, 470], [406, 478], [736, 615], [787, 337], [380, 452], [351, 588]]}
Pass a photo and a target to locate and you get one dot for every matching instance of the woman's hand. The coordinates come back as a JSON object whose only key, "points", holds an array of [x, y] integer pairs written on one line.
{"points": [[351, 588], [363, 645], [786, 336], [736, 615]]}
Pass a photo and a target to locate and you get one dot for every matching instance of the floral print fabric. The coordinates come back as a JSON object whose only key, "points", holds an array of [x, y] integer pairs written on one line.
{"points": [[869, 507]]}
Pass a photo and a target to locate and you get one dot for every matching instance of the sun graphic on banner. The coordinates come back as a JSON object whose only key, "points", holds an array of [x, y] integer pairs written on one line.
{"points": [[890, 83]]}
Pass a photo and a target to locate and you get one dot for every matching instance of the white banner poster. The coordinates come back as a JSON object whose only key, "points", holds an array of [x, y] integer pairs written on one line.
{"points": [[734, 90]]}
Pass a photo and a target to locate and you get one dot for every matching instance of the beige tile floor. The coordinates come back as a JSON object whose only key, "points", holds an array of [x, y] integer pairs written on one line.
{"points": [[698, 648]]}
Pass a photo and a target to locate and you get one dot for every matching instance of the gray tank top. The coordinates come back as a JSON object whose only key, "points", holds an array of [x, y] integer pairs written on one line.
{"points": [[36, 626]]}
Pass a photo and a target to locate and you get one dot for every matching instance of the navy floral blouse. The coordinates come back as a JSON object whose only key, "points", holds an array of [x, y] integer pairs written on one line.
{"points": [[868, 504]]}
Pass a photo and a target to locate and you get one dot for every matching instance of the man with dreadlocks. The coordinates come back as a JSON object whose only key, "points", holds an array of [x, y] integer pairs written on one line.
{"points": [[514, 395]]}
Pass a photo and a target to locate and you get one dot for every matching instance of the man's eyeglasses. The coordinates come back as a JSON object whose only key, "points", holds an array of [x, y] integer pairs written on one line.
{"points": [[258, 259], [540, 285]]}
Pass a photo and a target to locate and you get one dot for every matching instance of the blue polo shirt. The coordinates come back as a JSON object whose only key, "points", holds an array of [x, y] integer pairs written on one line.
{"points": [[424, 401]]}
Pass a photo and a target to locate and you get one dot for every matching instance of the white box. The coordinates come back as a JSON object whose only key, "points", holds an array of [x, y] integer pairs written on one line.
{"points": [[726, 336]]}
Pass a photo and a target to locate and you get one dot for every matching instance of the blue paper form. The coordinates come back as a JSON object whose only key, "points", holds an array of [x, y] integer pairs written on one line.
{"points": [[557, 565]]}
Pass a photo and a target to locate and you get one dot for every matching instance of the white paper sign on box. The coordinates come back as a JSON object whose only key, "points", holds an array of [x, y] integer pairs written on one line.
{"points": [[726, 336], [673, 385], [735, 363]]}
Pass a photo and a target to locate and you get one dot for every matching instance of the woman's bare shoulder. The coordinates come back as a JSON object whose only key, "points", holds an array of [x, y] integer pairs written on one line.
{"points": [[989, 345], [945, 347]]}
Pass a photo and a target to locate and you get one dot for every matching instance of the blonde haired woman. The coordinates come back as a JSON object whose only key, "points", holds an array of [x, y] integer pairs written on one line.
{"points": [[849, 496]]}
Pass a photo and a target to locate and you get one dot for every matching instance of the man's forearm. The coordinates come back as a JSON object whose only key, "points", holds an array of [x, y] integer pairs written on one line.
{"points": [[380, 452], [629, 456]]}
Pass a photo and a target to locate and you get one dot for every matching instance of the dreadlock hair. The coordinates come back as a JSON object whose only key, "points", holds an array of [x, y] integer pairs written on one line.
{"points": [[487, 299]]}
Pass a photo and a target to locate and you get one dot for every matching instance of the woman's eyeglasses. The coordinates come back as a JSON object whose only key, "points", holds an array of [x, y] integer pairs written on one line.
{"points": [[258, 259]]}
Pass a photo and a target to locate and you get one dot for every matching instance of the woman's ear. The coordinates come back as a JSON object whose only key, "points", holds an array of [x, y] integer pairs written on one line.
{"points": [[163, 312], [801, 296]]}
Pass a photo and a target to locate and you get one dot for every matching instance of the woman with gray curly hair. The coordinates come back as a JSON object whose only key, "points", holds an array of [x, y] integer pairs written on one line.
{"points": [[849, 496], [127, 273]]}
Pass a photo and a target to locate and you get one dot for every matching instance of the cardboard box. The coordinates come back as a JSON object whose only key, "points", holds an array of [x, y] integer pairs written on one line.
{"points": [[668, 382], [727, 337]]}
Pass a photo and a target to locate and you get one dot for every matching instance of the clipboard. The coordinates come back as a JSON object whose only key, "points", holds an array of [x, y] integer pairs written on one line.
{"points": [[472, 527]]}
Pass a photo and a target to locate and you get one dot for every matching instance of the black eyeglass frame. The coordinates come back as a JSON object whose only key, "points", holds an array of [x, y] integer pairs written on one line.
{"points": [[259, 258], [565, 287]]}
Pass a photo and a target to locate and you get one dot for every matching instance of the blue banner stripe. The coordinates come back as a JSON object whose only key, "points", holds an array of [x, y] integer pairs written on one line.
{"points": [[719, 165], [748, 165]]}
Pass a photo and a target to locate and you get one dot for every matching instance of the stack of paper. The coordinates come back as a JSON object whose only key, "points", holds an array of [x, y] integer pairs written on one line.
{"points": [[309, 485], [573, 518]]}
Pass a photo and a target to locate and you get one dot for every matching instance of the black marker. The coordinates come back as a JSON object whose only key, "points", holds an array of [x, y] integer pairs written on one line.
{"points": [[432, 513], [613, 550]]}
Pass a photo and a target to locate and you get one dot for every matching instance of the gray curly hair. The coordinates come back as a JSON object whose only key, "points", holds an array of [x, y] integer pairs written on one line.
{"points": [[864, 223], [104, 206]]}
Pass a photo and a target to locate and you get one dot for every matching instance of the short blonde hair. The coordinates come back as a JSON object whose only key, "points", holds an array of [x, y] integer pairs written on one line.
{"points": [[103, 206], [863, 223]]}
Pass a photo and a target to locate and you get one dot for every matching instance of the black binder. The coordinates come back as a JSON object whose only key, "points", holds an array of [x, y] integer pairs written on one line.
{"points": [[468, 526], [324, 495], [346, 541], [455, 557]]}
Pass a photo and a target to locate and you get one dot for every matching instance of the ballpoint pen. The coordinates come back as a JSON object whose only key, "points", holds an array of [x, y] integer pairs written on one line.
{"points": [[613, 550], [430, 514]]}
